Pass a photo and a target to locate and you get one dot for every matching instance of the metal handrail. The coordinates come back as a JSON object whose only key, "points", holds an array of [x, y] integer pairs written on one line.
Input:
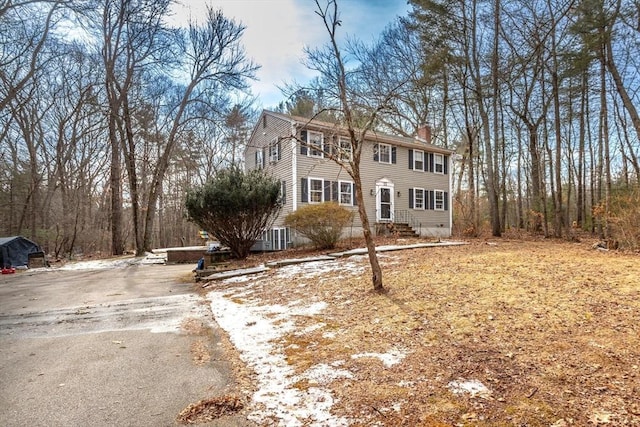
{"points": [[405, 217]]}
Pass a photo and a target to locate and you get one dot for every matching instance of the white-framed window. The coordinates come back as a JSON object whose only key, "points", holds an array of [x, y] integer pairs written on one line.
{"points": [[259, 159], [316, 190], [383, 154], [315, 142], [438, 163], [346, 193], [439, 200], [274, 150], [346, 151], [418, 198], [418, 160]]}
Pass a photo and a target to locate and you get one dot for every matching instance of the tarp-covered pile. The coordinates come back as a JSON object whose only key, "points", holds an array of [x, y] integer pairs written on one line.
{"points": [[16, 250]]}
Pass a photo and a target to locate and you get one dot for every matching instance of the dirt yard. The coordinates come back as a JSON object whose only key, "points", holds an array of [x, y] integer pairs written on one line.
{"points": [[496, 333]]}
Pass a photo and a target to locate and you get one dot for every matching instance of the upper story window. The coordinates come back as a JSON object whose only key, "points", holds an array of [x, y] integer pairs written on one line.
{"points": [[384, 153], [346, 151], [438, 163], [259, 158], [274, 150], [418, 160], [315, 142]]}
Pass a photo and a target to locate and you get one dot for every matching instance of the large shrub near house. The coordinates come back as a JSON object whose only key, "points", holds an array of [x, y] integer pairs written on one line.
{"points": [[235, 207], [321, 223]]}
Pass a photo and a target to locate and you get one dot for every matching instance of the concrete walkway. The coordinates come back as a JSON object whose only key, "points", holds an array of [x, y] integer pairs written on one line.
{"points": [[329, 257]]}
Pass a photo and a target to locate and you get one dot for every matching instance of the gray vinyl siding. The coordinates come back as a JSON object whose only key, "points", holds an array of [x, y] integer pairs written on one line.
{"points": [[261, 138], [398, 173], [403, 179]]}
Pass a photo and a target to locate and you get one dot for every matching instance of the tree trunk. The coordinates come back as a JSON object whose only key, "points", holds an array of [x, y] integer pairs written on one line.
{"points": [[580, 195], [376, 270], [558, 218], [117, 244], [492, 191]]}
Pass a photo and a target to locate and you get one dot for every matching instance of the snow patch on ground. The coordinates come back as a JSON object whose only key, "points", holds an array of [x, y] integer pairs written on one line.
{"points": [[115, 263], [100, 264], [473, 387], [318, 268], [388, 359], [255, 330]]}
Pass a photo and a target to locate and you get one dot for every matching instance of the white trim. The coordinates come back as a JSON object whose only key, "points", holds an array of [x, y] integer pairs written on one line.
{"points": [[381, 184], [424, 199], [435, 200], [436, 163], [424, 157], [351, 187], [341, 153], [311, 147], [322, 181], [389, 146], [273, 156]]}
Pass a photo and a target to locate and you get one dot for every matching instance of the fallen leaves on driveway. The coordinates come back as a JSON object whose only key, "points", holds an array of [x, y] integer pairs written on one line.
{"points": [[208, 410]]}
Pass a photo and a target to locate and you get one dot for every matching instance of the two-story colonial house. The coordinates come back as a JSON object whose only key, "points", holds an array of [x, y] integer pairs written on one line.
{"points": [[406, 181]]}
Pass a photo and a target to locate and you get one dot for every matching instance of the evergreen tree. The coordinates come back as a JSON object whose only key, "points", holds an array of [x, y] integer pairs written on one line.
{"points": [[235, 207]]}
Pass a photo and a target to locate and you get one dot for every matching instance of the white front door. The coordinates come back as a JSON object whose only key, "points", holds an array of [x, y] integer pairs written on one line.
{"points": [[384, 201]]}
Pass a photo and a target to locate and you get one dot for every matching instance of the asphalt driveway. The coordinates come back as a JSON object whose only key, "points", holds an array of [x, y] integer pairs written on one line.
{"points": [[106, 347]]}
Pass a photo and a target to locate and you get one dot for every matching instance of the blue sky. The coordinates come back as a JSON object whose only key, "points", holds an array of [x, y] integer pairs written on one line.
{"points": [[278, 30]]}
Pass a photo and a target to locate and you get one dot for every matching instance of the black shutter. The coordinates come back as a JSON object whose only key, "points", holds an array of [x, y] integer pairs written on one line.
{"points": [[327, 190], [303, 142], [430, 166], [432, 197], [304, 190], [445, 167], [334, 191], [255, 159], [264, 152], [446, 201], [411, 159], [393, 155], [376, 155], [279, 149], [411, 198], [353, 195]]}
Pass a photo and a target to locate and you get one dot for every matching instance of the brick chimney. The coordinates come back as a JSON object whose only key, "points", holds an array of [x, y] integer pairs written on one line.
{"points": [[424, 133]]}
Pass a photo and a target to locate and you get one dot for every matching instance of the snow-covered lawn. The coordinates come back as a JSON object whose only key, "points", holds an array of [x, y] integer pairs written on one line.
{"points": [[257, 328]]}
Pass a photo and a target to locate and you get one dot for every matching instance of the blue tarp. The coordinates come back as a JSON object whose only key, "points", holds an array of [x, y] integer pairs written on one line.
{"points": [[15, 251]]}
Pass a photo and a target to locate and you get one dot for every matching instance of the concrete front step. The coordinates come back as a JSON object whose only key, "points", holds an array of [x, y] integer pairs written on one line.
{"points": [[397, 229]]}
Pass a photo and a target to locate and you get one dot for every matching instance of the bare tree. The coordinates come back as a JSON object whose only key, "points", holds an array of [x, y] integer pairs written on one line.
{"points": [[357, 99], [217, 63]]}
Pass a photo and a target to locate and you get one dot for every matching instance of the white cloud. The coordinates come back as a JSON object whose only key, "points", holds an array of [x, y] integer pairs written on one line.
{"points": [[278, 30]]}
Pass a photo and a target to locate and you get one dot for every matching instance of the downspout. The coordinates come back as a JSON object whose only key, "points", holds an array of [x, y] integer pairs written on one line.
{"points": [[450, 196], [294, 167], [294, 177]]}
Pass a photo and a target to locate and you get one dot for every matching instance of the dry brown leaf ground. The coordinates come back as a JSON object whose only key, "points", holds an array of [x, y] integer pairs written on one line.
{"points": [[551, 328]]}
